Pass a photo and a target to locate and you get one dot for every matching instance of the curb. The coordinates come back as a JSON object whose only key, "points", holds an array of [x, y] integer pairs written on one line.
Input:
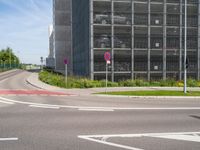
{"points": [[150, 97], [34, 85]]}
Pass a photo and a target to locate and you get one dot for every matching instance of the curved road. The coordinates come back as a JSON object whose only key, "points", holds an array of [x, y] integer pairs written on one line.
{"points": [[34, 119]]}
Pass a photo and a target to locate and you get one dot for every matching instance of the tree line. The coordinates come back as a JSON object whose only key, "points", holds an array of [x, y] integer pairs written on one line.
{"points": [[8, 58]]}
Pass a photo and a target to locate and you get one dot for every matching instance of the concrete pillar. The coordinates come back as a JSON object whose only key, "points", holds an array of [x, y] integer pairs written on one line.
{"points": [[149, 39], [198, 39], [112, 41], [91, 42], [181, 40], [132, 47], [164, 40]]}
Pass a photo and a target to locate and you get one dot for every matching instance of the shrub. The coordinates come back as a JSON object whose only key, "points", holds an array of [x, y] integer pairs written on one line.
{"points": [[141, 83], [170, 82], [110, 84], [127, 83], [179, 84], [192, 83], [198, 83], [154, 83], [57, 79]]}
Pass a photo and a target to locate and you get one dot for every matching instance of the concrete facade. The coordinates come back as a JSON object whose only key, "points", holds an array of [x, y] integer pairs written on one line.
{"points": [[62, 24], [145, 38]]}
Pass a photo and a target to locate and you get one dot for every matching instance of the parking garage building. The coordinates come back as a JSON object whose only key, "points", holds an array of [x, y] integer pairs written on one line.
{"points": [[145, 38]]}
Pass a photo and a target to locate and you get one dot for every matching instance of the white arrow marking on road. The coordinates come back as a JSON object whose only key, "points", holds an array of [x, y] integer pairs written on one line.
{"points": [[191, 138], [9, 139], [186, 136], [109, 143]]}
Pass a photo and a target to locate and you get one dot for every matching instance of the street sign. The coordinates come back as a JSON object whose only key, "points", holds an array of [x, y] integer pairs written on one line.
{"points": [[41, 59], [65, 61], [108, 62], [107, 56]]}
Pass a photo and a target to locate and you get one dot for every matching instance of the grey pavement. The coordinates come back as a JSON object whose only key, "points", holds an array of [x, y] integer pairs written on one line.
{"points": [[40, 126]]}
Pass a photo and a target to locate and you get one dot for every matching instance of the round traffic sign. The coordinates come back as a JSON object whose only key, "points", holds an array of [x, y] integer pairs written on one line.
{"points": [[107, 56], [65, 61]]}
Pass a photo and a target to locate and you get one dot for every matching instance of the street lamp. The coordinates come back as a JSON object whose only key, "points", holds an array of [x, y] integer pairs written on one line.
{"points": [[185, 51], [41, 60]]}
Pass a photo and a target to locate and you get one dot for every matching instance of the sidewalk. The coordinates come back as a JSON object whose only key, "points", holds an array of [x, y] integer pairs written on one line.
{"points": [[34, 81], [9, 71]]}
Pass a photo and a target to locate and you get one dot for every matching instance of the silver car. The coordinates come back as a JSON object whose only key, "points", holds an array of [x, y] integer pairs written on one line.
{"points": [[104, 41], [102, 18], [106, 19], [122, 20]]}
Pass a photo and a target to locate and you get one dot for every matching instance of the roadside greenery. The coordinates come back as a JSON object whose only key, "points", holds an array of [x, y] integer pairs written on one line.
{"points": [[57, 79], [8, 59], [154, 93]]}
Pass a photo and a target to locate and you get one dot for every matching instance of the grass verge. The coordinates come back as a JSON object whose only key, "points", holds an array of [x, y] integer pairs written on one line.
{"points": [[153, 93]]}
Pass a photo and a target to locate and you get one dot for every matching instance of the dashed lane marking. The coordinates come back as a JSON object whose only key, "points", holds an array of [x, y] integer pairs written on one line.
{"points": [[44, 106], [101, 108], [9, 139], [93, 109], [183, 136]]}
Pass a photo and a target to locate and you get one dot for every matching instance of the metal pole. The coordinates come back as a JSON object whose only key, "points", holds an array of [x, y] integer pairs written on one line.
{"points": [[10, 59], [106, 76], [4, 65], [41, 65], [66, 75], [185, 50]]}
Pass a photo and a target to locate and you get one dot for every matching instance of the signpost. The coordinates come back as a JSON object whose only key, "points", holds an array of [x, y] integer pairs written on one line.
{"points": [[41, 60], [66, 63], [107, 58]]}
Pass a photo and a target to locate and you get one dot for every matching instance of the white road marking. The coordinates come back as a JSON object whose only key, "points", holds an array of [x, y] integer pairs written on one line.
{"points": [[9, 139], [43, 106], [102, 108], [109, 143], [186, 136], [191, 138], [6, 102], [90, 109]]}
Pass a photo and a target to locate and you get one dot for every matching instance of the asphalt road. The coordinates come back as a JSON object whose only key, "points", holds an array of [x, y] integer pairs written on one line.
{"points": [[49, 121]]}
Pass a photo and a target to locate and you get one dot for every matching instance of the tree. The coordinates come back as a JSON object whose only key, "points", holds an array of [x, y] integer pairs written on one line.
{"points": [[8, 57]]}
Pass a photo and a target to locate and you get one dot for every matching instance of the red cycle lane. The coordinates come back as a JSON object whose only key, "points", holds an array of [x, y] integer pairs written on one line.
{"points": [[32, 92]]}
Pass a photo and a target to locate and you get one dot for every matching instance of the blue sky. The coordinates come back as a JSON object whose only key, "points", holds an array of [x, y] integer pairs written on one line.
{"points": [[24, 27]]}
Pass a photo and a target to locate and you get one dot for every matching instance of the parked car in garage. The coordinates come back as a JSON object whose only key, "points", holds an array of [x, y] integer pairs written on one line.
{"points": [[105, 41], [120, 19], [106, 19], [102, 19]]}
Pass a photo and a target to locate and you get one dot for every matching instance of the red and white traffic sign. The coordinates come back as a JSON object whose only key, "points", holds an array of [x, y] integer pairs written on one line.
{"points": [[65, 61], [107, 56]]}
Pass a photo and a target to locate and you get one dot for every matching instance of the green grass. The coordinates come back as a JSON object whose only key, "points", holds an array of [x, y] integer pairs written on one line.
{"points": [[153, 93]]}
